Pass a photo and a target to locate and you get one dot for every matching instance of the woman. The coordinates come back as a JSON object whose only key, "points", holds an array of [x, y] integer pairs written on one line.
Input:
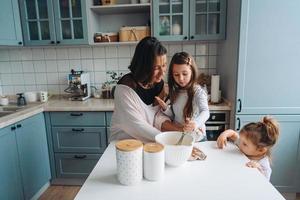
{"points": [[135, 106]]}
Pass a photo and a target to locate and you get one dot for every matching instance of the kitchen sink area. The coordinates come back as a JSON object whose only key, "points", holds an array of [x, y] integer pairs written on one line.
{"points": [[10, 109]]}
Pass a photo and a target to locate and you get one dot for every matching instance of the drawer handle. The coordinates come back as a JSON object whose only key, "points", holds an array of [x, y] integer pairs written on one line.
{"points": [[80, 157], [76, 114], [77, 129]]}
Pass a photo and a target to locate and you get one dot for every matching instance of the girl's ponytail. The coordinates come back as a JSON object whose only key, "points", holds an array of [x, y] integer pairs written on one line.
{"points": [[272, 130]]}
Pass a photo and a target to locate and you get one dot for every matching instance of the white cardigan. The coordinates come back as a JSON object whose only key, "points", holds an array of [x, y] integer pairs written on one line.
{"points": [[132, 118]]}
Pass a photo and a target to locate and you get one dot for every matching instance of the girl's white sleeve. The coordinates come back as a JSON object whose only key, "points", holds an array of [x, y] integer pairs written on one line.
{"points": [[201, 102], [131, 117]]}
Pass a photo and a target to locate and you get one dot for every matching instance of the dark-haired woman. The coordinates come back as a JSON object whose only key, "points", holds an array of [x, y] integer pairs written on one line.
{"points": [[135, 106]]}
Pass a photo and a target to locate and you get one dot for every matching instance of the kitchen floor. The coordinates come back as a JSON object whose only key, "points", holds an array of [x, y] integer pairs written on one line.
{"points": [[60, 193], [69, 193]]}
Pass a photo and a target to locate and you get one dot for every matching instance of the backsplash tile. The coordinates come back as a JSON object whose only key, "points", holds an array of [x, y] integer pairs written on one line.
{"points": [[37, 68]]}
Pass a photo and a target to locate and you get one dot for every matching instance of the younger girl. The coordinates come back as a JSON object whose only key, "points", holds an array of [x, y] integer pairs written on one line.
{"points": [[255, 141], [188, 100]]}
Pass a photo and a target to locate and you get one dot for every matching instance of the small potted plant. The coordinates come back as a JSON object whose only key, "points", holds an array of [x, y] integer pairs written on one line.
{"points": [[108, 87]]}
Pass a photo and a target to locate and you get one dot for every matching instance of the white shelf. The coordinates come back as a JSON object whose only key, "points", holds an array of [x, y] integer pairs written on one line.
{"points": [[113, 43], [121, 8]]}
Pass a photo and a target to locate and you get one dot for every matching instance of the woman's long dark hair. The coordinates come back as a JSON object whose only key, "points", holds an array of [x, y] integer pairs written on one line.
{"points": [[143, 61], [183, 58]]}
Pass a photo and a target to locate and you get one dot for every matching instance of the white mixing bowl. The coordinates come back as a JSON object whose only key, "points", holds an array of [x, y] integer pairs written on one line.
{"points": [[176, 155]]}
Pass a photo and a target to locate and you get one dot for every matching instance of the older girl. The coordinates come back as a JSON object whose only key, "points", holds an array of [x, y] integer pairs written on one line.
{"points": [[188, 100]]}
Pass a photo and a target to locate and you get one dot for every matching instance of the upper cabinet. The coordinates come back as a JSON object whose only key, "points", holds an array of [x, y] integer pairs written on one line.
{"points": [[176, 20], [10, 33], [49, 22], [108, 19]]}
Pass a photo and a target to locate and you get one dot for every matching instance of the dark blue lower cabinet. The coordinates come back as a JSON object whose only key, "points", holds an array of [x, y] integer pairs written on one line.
{"points": [[10, 177], [24, 167], [75, 165]]}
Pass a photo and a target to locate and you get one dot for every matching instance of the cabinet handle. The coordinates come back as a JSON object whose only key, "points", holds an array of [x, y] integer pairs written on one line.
{"points": [[76, 114], [20, 43], [57, 42], [77, 129], [239, 124], [185, 38], [80, 156], [52, 42], [240, 105], [19, 125], [13, 128], [192, 37]]}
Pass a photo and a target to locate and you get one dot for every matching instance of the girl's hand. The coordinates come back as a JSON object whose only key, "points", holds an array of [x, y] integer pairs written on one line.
{"points": [[222, 140], [253, 164], [161, 103], [189, 125]]}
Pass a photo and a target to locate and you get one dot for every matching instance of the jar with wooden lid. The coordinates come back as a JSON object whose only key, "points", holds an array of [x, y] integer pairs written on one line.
{"points": [[154, 161], [129, 155]]}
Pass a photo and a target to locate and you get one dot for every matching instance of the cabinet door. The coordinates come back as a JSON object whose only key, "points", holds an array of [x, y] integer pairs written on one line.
{"points": [[33, 154], [285, 153], [268, 64], [10, 33], [207, 19], [37, 22], [170, 19], [70, 21], [10, 181]]}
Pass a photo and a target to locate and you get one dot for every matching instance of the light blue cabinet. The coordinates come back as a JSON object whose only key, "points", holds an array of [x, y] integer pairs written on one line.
{"points": [[268, 64], [189, 20], [286, 152], [10, 181], [10, 32], [260, 75], [25, 167], [54, 22], [33, 154]]}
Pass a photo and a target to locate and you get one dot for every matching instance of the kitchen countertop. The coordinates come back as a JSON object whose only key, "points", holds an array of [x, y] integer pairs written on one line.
{"points": [[61, 103], [223, 175]]}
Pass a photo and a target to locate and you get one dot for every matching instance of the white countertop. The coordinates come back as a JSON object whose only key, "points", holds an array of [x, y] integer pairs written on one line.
{"points": [[60, 104], [223, 175]]}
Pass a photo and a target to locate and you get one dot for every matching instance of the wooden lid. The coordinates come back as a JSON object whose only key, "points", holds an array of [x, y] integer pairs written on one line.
{"points": [[128, 145], [153, 147]]}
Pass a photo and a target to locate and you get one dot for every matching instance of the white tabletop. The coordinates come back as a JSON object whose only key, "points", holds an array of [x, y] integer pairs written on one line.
{"points": [[223, 175]]}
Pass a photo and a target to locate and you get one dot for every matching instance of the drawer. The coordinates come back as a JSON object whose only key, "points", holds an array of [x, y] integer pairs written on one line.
{"points": [[79, 139], [77, 118], [75, 165], [108, 118]]}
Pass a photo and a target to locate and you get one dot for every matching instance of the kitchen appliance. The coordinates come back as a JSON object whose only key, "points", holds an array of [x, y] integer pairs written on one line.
{"points": [[79, 85], [216, 124], [21, 101]]}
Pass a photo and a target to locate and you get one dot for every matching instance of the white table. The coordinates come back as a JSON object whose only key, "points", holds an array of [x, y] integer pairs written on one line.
{"points": [[223, 175]]}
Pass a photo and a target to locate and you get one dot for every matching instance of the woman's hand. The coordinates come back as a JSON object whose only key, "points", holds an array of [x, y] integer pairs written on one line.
{"points": [[161, 103]]}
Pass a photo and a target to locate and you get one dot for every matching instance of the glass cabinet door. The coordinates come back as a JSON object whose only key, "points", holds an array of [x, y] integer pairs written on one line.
{"points": [[70, 21], [170, 19], [207, 19], [37, 21]]}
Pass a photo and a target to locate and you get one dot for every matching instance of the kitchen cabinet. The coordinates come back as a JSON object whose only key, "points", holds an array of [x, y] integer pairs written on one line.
{"points": [[285, 156], [28, 158], [10, 184], [259, 74], [78, 140], [110, 18], [11, 32], [189, 20], [54, 22]]}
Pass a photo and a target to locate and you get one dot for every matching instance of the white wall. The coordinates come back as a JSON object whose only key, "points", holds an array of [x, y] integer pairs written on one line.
{"points": [[46, 68]]}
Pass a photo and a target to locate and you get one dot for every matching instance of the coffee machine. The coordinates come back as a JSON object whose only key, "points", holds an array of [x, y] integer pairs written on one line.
{"points": [[79, 85]]}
